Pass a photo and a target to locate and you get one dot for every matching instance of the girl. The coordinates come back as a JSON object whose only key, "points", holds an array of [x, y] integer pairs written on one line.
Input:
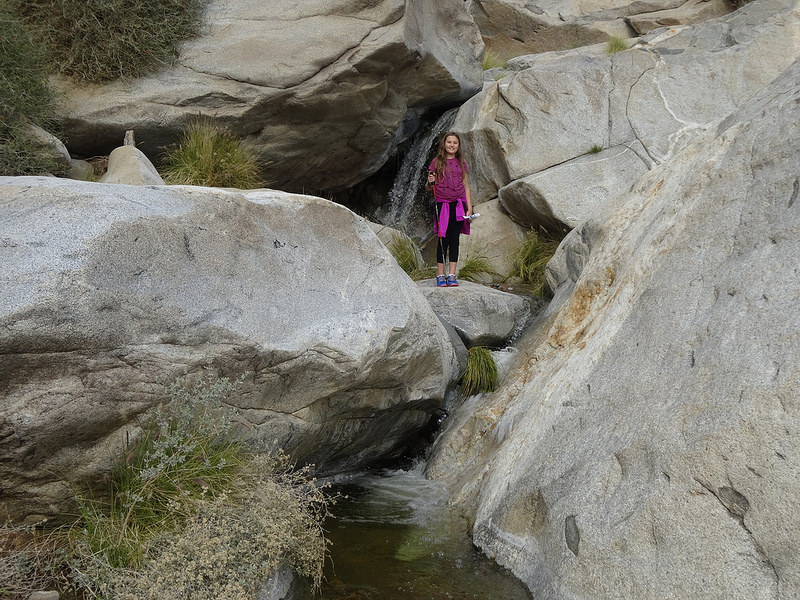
{"points": [[447, 173]]}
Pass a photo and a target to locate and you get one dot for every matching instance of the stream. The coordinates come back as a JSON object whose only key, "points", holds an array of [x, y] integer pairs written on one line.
{"points": [[395, 538]]}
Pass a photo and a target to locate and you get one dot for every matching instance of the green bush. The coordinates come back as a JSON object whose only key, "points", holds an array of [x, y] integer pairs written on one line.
{"points": [[481, 372], [25, 97], [209, 155], [102, 40], [596, 149], [531, 258]]}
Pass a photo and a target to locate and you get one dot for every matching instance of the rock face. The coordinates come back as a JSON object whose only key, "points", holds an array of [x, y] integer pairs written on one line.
{"points": [[130, 166], [648, 446], [322, 90], [110, 292], [518, 27], [481, 316], [525, 132]]}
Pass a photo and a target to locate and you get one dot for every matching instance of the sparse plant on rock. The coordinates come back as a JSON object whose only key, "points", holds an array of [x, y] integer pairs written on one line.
{"points": [[474, 267], [210, 155], [406, 252], [596, 149], [616, 44], [531, 258], [492, 60], [481, 373]]}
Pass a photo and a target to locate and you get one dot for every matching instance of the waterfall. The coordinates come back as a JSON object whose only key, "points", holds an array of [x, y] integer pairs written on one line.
{"points": [[408, 203]]}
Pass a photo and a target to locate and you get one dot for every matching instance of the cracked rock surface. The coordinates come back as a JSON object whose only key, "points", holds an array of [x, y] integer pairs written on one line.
{"points": [[109, 293], [532, 132], [322, 90], [649, 445]]}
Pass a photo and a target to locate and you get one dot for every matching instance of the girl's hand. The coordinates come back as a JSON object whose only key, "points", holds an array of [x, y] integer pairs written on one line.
{"points": [[431, 177]]}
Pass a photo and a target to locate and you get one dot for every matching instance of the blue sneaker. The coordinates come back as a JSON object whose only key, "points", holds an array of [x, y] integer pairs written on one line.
{"points": [[441, 281], [451, 281]]}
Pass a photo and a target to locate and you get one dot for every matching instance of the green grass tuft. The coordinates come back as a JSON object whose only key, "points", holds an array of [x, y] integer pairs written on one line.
{"points": [[474, 268], [481, 373], [616, 44], [406, 252], [596, 149], [209, 155], [102, 40], [492, 60], [530, 261]]}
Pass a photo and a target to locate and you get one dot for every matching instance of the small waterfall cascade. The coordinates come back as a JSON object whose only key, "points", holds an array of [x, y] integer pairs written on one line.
{"points": [[407, 207]]}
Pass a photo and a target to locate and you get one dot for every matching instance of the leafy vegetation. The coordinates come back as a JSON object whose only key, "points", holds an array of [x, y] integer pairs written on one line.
{"points": [[102, 40], [596, 149], [25, 98], [190, 513], [616, 44], [209, 155], [531, 258], [481, 372]]}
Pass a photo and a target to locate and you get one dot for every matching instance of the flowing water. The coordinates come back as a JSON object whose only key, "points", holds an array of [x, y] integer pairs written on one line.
{"points": [[409, 207], [395, 538]]}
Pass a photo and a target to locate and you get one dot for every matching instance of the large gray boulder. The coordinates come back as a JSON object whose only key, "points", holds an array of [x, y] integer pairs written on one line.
{"points": [[567, 193], [323, 91], [648, 445], [655, 98], [482, 316], [111, 292]]}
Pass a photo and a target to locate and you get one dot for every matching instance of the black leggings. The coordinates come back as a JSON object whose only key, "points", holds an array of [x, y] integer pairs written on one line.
{"points": [[449, 243]]}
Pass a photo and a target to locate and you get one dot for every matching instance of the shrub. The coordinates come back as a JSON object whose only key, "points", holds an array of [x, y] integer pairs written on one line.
{"points": [[405, 252], [616, 44], [24, 97], [209, 155], [481, 373], [102, 40], [531, 258], [596, 149], [190, 513]]}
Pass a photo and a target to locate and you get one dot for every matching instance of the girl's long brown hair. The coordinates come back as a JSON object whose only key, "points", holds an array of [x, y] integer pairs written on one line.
{"points": [[441, 156]]}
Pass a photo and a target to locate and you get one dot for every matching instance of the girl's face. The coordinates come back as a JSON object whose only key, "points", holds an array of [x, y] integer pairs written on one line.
{"points": [[451, 145]]}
